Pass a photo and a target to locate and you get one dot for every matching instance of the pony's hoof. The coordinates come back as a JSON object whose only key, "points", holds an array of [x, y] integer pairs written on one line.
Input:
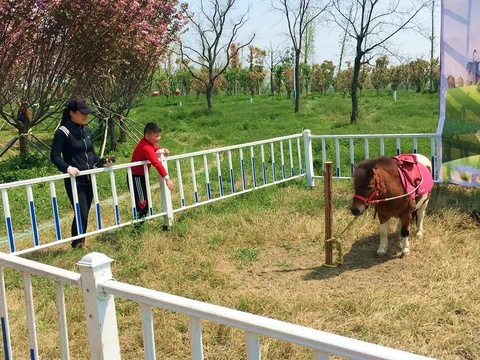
{"points": [[419, 234], [405, 252], [381, 252]]}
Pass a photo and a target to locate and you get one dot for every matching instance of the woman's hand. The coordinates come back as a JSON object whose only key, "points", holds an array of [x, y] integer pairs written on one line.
{"points": [[73, 171], [109, 161]]}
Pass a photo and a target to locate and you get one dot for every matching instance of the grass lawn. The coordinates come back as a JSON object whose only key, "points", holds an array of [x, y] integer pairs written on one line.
{"points": [[262, 252]]}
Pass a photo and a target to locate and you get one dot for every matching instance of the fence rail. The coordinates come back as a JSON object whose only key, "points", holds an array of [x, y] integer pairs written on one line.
{"points": [[100, 289], [201, 177]]}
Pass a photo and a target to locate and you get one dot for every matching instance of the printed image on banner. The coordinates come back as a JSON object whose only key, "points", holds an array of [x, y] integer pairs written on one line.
{"points": [[460, 57]]}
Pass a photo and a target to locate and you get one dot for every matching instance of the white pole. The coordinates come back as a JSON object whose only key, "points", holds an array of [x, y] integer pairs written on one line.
{"points": [[307, 144], [100, 313]]}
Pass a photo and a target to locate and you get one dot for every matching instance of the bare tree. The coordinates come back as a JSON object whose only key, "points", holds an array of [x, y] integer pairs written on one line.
{"points": [[309, 42], [273, 58], [343, 41], [215, 37], [300, 16], [371, 24]]}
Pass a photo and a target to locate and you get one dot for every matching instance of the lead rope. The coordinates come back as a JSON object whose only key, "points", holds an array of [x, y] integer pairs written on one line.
{"points": [[338, 245]]}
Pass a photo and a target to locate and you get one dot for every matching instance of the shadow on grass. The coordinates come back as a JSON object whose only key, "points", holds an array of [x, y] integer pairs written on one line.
{"points": [[362, 255]]}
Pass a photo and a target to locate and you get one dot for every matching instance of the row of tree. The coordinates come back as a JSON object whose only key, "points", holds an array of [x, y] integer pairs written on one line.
{"points": [[255, 77], [368, 28]]}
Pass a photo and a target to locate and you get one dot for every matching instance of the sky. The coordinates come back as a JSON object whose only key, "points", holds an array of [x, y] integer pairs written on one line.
{"points": [[271, 30]]}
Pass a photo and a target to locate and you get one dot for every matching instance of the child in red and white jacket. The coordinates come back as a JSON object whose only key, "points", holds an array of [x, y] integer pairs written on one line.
{"points": [[147, 149]]}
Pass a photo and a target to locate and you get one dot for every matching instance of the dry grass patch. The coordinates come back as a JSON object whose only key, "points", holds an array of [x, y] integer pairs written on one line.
{"points": [[263, 253]]}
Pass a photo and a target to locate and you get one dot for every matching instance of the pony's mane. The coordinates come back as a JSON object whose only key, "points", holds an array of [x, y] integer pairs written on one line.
{"points": [[363, 168]]}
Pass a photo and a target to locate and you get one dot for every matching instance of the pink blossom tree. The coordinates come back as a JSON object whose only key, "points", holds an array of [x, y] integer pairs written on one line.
{"points": [[51, 50], [148, 30]]}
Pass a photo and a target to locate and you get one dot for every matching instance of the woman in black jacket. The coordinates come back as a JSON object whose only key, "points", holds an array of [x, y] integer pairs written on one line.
{"points": [[72, 151]]}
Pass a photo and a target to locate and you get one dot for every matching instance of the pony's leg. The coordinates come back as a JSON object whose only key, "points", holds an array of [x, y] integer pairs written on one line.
{"points": [[383, 230], [405, 232], [420, 217], [399, 226]]}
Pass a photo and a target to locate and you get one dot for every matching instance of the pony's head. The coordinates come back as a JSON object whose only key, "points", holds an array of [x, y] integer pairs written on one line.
{"points": [[366, 185]]}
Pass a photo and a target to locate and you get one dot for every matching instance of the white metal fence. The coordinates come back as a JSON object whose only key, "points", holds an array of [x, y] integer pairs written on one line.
{"points": [[201, 177], [236, 170], [100, 289]]}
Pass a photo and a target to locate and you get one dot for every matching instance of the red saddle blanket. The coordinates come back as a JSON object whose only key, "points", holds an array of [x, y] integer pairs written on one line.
{"points": [[413, 175]]}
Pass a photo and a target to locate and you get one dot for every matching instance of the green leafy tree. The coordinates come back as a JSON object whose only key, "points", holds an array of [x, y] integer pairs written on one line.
{"points": [[256, 74], [289, 81], [318, 79], [380, 73], [305, 76], [419, 70], [405, 75], [184, 79], [395, 77], [232, 73], [435, 75], [279, 77], [328, 73], [343, 80]]}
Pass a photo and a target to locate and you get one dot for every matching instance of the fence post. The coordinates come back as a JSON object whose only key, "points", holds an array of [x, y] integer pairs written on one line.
{"points": [[99, 307], [307, 143], [167, 205]]}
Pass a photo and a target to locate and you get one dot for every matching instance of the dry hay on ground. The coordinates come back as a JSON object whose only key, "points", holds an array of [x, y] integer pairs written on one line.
{"points": [[269, 262]]}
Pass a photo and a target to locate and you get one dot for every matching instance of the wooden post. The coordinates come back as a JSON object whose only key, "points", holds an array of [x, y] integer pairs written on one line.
{"points": [[327, 177]]}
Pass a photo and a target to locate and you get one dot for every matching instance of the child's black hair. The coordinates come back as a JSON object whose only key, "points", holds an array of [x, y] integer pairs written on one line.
{"points": [[151, 128]]}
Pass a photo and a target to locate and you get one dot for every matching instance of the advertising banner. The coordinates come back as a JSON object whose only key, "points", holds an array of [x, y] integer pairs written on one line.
{"points": [[460, 98]]}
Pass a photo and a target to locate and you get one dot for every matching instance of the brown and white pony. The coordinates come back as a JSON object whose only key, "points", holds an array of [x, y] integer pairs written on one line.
{"points": [[398, 187]]}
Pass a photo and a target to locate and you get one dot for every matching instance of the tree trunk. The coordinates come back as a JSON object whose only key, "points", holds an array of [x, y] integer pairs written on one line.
{"points": [[272, 87], [123, 133], [209, 92], [354, 90], [113, 135], [297, 80], [23, 143], [23, 128], [432, 46]]}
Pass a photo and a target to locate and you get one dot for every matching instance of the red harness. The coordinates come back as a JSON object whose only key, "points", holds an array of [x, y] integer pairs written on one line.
{"points": [[412, 176], [370, 200]]}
